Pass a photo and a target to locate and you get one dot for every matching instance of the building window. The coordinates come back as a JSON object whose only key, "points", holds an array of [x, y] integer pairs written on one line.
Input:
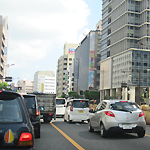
{"points": [[70, 59], [145, 64]]}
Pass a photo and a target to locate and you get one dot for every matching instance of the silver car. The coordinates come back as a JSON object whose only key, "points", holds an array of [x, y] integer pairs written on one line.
{"points": [[117, 115]]}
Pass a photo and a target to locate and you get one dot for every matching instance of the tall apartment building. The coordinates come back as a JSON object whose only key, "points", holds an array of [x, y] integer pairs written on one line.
{"points": [[125, 54], [63, 65], [87, 67], [4, 33], [45, 82]]}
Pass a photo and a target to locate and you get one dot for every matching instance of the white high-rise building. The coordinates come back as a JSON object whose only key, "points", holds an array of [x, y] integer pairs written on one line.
{"points": [[64, 62], [45, 82]]}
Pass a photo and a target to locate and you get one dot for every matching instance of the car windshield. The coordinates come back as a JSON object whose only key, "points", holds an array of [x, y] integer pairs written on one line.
{"points": [[31, 103], [80, 104], [124, 106], [60, 101], [10, 111]]}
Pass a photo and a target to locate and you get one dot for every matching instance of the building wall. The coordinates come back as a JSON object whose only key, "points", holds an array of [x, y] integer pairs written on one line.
{"points": [[126, 37], [86, 63], [45, 81], [63, 65], [3, 46]]}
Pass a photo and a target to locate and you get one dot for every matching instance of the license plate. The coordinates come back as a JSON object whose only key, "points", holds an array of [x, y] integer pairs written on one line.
{"points": [[127, 126], [81, 111]]}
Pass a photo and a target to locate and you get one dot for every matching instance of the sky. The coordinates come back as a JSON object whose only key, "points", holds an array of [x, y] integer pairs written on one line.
{"points": [[38, 30]]}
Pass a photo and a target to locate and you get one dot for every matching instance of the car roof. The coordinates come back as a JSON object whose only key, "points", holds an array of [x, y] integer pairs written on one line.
{"points": [[9, 94], [79, 100], [116, 100]]}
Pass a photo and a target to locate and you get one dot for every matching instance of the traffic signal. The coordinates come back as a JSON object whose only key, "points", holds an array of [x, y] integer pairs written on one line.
{"points": [[8, 79]]}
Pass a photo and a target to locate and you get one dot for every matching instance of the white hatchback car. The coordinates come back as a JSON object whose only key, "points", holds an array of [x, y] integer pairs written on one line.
{"points": [[77, 110], [117, 115]]}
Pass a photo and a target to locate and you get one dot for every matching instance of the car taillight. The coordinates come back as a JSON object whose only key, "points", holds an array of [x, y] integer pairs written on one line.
{"points": [[89, 108], [109, 113], [0, 91], [26, 139], [71, 108], [141, 114], [50, 114]]}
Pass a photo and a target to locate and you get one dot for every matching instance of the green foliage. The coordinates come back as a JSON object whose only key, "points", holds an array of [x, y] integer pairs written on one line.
{"points": [[92, 95], [106, 97], [73, 94], [5, 86]]}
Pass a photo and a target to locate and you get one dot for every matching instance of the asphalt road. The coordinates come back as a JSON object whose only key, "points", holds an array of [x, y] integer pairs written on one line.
{"points": [[59, 135]]}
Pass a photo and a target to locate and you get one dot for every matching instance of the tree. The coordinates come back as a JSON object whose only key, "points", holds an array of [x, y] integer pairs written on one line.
{"points": [[73, 94], [4, 86]]}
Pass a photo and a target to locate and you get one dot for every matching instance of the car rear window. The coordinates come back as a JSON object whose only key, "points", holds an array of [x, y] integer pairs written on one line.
{"points": [[31, 103], [10, 111], [60, 101], [80, 104], [124, 106]]}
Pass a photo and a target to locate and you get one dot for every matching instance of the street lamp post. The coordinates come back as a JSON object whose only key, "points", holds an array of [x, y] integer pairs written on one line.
{"points": [[139, 93], [102, 84]]}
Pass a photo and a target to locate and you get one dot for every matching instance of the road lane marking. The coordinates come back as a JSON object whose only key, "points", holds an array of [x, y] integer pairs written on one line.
{"points": [[68, 138], [147, 135]]}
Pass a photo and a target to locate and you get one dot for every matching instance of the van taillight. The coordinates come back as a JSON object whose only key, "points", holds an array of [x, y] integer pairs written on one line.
{"points": [[71, 108], [26, 139], [37, 113]]}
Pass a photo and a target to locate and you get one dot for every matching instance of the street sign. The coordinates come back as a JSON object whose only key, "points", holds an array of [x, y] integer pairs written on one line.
{"points": [[8, 79]]}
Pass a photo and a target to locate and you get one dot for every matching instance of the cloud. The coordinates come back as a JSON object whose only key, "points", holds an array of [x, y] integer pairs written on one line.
{"points": [[38, 29]]}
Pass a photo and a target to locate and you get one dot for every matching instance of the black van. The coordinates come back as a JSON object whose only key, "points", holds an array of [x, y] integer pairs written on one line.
{"points": [[34, 111]]}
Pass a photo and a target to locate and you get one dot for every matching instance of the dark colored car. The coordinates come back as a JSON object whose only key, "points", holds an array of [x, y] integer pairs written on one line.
{"points": [[16, 129], [34, 111]]}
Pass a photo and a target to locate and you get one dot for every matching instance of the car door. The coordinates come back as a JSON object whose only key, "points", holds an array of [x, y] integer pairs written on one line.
{"points": [[99, 114], [94, 115]]}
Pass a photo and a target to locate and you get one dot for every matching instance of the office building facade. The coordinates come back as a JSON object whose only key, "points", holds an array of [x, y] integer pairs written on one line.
{"points": [[125, 54], [45, 82], [87, 67]]}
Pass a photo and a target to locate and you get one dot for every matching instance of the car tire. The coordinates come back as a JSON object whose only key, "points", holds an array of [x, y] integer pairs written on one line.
{"points": [[141, 134], [64, 119], [37, 135], [70, 121], [90, 127], [103, 132]]}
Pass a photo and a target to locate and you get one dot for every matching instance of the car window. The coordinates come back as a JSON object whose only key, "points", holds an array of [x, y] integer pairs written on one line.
{"points": [[31, 103], [103, 106], [10, 111], [80, 104], [124, 106], [98, 107], [60, 101]]}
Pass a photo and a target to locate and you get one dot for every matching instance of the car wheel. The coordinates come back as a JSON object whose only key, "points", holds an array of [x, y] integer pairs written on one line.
{"points": [[37, 135], [70, 121], [64, 119], [141, 134], [103, 132], [90, 127]]}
